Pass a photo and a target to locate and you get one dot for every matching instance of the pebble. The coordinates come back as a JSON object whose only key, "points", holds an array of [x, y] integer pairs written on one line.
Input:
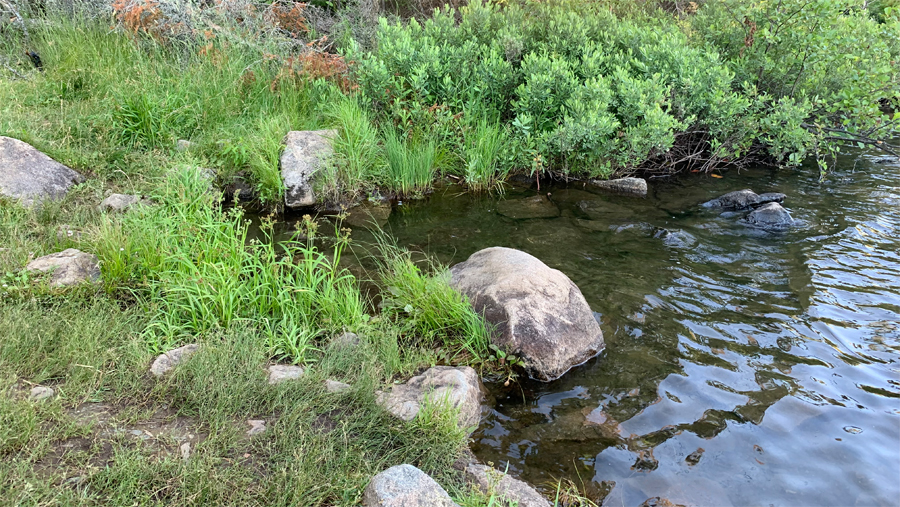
{"points": [[40, 393]]}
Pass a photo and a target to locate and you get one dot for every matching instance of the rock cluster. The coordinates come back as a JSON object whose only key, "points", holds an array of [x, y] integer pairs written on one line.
{"points": [[767, 211], [537, 312]]}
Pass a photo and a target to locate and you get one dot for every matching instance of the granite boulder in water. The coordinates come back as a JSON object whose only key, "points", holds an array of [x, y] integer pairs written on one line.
{"points": [[770, 216], [29, 176], [305, 152], [538, 314], [743, 199]]}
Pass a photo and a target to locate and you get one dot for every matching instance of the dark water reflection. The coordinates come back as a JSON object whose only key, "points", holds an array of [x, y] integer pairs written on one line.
{"points": [[775, 353]]}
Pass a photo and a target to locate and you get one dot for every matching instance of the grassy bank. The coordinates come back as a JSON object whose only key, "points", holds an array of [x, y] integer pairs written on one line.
{"points": [[563, 89]]}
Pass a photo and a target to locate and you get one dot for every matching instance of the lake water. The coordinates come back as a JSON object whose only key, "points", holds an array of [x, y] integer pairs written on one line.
{"points": [[741, 367]]}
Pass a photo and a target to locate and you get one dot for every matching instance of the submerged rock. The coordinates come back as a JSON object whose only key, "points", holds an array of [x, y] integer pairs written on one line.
{"points": [[538, 206], [770, 216], [167, 361], [369, 215], [405, 486], [538, 313], [509, 489], [280, 372], [304, 153], [459, 388], [626, 186], [121, 202], [675, 238], [69, 267], [743, 199], [29, 176]]}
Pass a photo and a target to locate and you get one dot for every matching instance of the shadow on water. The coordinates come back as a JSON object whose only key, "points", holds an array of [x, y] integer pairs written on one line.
{"points": [[742, 367]]}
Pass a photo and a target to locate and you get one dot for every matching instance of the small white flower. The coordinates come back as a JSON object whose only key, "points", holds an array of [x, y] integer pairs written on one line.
{"points": [[121, 249]]}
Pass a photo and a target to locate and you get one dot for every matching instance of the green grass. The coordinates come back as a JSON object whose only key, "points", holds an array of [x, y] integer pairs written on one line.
{"points": [[359, 162], [411, 163], [483, 142]]}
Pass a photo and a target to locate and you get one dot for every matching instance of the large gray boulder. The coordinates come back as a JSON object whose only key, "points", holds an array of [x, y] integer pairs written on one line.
{"points": [[457, 388], [29, 176], [511, 491], [405, 486], [305, 152], [743, 199], [770, 216], [625, 186], [69, 267], [537, 312]]}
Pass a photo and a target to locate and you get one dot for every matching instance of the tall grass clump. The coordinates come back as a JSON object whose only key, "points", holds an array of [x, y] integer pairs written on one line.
{"points": [[483, 143], [431, 312], [194, 263], [359, 160], [411, 163]]}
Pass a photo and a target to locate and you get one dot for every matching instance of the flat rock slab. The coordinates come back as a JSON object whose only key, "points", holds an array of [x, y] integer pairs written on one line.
{"points": [[511, 491], [69, 267], [537, 312], [458, 388], [405, 486], [743, 199], [636, 187], [304, 153], [538, 206], [167, 361], [281, 372], [29, 176], [121, 202]]}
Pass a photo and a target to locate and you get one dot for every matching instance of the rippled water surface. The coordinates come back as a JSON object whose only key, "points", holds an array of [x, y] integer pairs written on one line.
{"points": [[742, 367]]}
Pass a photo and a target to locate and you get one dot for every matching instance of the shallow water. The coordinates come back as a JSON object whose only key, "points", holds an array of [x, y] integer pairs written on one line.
{"points": [[775, 353]]}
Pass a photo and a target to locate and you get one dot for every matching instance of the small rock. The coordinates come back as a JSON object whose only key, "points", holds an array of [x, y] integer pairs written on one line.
{"points": [[459, 387], [743, 199], [238, 188], [257, 426], [186, 451], [166, 361], [512, 490], [405, 486], [39, 393], [333, 386], [183, 145], [69, 267], [770, 216], [29, 176], [281, 372], [538, 206], [676, 238], [694, 457], [304, 152], [346, 340], [120, 202], [626, 186]]}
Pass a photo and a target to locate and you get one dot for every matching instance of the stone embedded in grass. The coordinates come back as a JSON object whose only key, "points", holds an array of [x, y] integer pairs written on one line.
{"points": [[169, 360], [459, 388], [512, 490], [626, 186], [539, 314], [117, 203], [405, 486], [333, 386], [257, 427], [538, 206], [304, 153], [29, 176], [345, 340], [281, 372], [185, 451], [183, 145], [69, 267], [39, 393]]}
